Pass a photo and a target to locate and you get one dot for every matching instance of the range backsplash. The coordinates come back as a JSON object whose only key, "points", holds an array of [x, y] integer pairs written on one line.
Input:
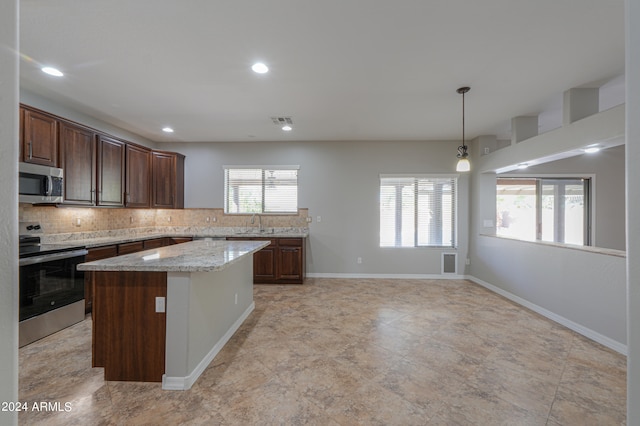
{"points": [[57, 220]]}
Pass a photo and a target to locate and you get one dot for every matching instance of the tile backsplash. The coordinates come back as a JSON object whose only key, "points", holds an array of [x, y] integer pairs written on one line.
{"points": [[57, 220]]}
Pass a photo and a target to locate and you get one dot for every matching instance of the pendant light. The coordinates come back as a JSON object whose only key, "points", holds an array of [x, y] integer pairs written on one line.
{"points": [[463, 161]]}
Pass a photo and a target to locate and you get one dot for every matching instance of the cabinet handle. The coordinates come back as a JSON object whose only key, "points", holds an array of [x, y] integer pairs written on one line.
{"points": [[30, 149]]}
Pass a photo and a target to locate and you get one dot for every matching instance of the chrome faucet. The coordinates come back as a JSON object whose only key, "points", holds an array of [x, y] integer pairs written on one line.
{"points": [[253, 217]]}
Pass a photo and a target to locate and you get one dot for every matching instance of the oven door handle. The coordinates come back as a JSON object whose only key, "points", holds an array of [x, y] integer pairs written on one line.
{"points": [[51, 257]]}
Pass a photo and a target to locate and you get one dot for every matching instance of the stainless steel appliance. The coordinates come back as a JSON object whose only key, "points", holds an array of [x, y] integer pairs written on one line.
{"points": [[40, 184], [51, 287]]}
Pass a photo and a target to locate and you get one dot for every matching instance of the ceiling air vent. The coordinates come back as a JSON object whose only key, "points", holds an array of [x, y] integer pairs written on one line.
{"points": [[282, 121]]}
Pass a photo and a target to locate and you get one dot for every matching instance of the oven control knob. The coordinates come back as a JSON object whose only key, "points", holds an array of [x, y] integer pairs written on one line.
{"points": [[30, 228], [53, 302], [36, 227]]}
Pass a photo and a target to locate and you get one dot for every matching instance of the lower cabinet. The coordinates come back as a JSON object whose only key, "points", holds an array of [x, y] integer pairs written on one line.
{"points": [[104, 252], [97, 253], [281, 262]]}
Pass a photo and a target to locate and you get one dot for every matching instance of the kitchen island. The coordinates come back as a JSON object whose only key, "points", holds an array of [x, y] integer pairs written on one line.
{"points": [[164, 314]]}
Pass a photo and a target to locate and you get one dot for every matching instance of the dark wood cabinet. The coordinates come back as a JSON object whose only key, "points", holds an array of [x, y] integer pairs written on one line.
{"points": [[78, 159], [290, 266], [281, 262], [97, 253], [154, 243], [138, 176], [169, 241], [167, 182], [127, 248], [264, 264], [111, 157], [39, 138]]}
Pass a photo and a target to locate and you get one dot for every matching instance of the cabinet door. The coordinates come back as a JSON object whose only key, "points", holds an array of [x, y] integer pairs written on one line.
{"points": [[264, 265], [289, 263], [163, 180], [40, 139], [111, 155], [78, 159], [167, 180], [137, 177]]}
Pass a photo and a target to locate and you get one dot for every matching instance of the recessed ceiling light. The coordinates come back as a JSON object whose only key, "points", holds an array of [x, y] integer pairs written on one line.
{"points": [[287, 128], [167, 129], [52, 71], [260, 68], [592, 149]]}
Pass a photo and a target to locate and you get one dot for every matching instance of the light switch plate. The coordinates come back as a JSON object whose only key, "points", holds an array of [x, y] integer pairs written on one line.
{"points": [[160, 306]]}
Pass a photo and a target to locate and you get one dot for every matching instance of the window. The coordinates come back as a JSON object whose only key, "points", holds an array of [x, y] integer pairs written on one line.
{"points": [[555, 210], [260, 190], [417, 211]]}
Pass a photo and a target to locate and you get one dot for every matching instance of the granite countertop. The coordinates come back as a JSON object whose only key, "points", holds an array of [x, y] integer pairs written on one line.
{"points": [[97, 239], [195, 256]]}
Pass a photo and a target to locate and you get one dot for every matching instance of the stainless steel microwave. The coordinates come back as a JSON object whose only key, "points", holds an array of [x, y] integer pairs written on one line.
{"points": [[40, 184]]}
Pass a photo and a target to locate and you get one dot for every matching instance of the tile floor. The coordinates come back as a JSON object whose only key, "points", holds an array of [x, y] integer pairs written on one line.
{"points": [[347, 352]]}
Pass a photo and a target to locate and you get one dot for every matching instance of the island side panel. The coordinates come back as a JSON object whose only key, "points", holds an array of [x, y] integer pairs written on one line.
{"points": [[129, 336], [212, 315]]}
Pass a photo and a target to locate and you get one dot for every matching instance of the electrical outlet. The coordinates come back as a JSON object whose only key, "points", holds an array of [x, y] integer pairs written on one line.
{"points": [[215, 219], [78, 221], [359, 260], [130, 219], [319, 219], [467, 262], [309, 219], [208, 219], [168, 218], [160, 307]]}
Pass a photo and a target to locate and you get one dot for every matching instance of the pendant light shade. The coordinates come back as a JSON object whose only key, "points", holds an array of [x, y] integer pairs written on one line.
{"points": [[463, 156]]}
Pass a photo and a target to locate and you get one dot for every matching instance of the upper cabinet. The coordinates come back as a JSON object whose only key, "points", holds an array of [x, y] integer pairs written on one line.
{"points": [[138, 176], [167, 180], [78, 159], [100, 170], [39, 142], [111, 155]]}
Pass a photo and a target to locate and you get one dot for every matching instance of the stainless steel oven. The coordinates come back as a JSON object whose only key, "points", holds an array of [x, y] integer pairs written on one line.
{"points": [[51, 288]]}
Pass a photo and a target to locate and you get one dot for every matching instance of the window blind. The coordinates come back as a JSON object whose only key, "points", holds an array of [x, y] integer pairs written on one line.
{"points": [[417, 211], [260, 190]]}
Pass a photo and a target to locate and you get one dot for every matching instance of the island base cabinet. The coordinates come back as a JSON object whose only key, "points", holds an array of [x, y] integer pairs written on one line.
{"points": [[129, 336]]}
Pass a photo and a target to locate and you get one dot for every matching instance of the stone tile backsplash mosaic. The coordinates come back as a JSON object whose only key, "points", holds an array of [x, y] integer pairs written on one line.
{"points": [[63, 220]]}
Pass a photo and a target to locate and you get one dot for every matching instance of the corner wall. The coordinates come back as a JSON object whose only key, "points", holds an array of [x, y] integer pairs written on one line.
{"points": [[632, 18], [582, 289], [9, 66]]}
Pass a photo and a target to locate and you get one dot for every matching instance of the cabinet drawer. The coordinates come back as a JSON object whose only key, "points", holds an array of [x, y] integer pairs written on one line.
{"points": [[290, 242], [99, 253], [127, 248], [151, 244]]}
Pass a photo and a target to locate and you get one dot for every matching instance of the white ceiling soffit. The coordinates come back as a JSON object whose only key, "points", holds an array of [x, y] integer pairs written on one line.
{"points": [[344, 70]]}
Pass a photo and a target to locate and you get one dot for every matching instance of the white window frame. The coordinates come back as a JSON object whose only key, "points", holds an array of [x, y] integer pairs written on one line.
{"points": [[263, 168], [454, 220]]}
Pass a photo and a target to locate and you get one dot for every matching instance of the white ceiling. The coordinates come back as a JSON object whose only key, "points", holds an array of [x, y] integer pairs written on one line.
{"points": [[342, 69]]}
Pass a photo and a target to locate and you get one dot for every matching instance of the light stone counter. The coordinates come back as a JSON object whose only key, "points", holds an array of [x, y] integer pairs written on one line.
{"points": [[119, 236], [195, 256]]}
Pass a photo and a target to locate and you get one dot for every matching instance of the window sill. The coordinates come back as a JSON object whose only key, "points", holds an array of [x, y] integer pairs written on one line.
{"points": [[599, 250]]}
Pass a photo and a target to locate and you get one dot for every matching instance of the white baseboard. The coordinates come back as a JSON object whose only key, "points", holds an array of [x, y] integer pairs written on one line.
{"points": [[388, 276], [184, 383], [587, 332]]}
